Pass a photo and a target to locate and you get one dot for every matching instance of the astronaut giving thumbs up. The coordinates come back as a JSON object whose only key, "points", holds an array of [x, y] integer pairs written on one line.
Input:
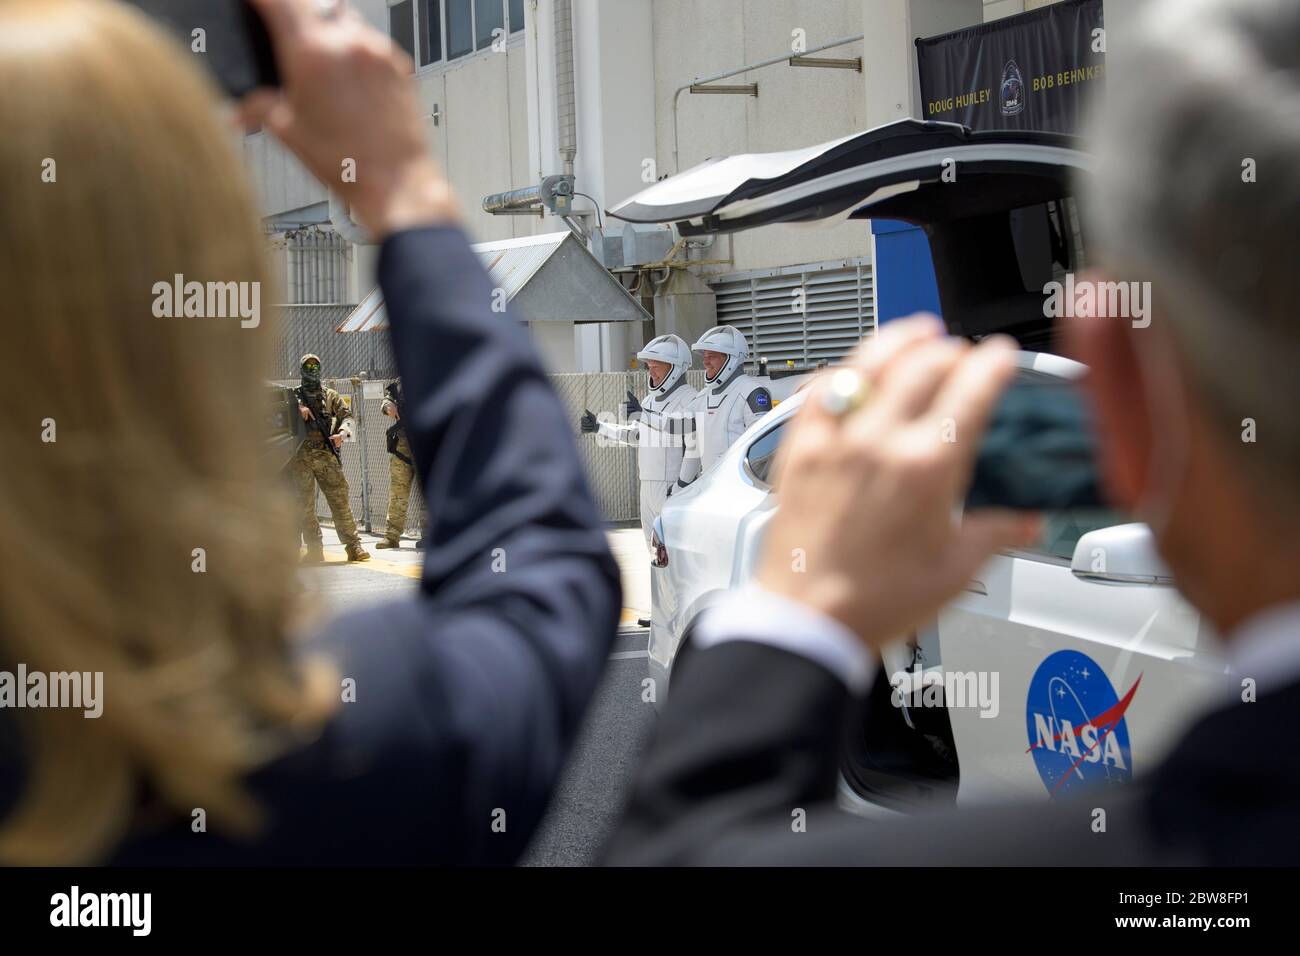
{"points": [[658, 426], [731, 402]]}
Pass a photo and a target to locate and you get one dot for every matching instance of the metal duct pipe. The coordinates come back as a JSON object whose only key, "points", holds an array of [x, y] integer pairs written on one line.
{"points": [[331, 270], [327, 268], [524, 199], [313, 275], [566, 100], [340, 295], [291, 255]]}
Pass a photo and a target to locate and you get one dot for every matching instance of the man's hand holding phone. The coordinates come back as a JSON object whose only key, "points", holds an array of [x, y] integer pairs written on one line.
{"points": [[869, 497]]}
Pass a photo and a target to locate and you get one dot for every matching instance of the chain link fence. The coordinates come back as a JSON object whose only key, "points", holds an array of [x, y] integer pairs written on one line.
{"points": [[367, 359], [309, 329], [611, 468]]}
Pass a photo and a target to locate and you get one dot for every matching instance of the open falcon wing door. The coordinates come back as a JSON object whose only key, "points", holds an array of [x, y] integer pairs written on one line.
{"points": [[997, 207]]}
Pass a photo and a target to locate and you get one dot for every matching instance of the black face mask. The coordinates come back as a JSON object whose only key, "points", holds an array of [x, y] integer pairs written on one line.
{"points": [[311, 379]]}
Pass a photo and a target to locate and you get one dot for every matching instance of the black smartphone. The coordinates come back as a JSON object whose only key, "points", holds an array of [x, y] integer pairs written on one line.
{"points": [[228, 37], [1040, 450]]}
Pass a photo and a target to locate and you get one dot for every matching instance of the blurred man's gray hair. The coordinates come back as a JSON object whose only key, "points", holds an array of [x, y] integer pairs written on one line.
{"points": [[1197, 189]]}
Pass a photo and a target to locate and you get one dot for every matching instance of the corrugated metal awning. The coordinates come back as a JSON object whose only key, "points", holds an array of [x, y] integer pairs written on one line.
{"points": [[547, 278]]}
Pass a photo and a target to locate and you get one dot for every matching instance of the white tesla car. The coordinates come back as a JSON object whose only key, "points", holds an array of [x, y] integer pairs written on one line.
{"points": [[1071, 664]]}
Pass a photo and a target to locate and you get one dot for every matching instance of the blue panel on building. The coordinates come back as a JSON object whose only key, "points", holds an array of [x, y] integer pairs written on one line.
{"points": [[903, 270]]}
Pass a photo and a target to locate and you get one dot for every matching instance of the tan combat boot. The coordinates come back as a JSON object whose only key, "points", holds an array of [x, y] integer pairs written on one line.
{"points": [[388, 543], [357, 553], [315, 554]]}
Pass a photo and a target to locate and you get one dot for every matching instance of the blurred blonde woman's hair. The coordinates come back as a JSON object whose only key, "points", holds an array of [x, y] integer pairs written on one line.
{"points": [[117, 173]]}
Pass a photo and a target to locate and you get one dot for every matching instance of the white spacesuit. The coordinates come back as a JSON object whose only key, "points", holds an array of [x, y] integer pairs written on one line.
{"points": [[657, 426], [730, 403]]}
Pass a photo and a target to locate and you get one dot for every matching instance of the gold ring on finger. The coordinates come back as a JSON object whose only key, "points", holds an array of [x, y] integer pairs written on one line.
{"points": [[845, 392]]}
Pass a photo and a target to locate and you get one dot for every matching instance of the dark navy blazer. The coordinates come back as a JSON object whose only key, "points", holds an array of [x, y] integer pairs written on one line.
{"points": [[469, 693]]}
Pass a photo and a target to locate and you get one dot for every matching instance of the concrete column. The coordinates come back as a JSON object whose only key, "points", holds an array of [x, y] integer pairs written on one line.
{"points": [[889, 51], [614, 80], [614, 49]]}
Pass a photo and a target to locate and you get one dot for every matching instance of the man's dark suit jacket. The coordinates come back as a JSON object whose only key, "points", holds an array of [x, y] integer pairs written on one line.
{"points": [[751, 733], [467, 695]]}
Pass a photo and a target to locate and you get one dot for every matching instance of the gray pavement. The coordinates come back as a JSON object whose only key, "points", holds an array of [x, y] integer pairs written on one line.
{"points": [[593, 787]]}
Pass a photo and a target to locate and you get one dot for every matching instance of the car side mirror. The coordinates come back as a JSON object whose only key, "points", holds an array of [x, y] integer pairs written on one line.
{"points": [[1121, 554]]}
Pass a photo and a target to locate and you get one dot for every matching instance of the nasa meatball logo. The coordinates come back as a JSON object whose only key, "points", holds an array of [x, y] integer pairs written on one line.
{"points": [[1078, 736]]}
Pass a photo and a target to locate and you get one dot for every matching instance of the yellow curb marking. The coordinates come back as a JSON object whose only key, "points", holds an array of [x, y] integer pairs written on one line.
{"points": [[384, 567]]}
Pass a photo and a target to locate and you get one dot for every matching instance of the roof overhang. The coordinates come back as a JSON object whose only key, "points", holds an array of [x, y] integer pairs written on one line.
{"points": [[547, 278]]}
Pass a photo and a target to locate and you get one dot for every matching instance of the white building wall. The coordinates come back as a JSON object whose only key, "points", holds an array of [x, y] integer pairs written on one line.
{"points": [[495, 119], [614, 50], [480, 135], [1118, 12], [614, 45], [891, 79], [795, 106], [556, 344], [632, 55], [282, 184]]}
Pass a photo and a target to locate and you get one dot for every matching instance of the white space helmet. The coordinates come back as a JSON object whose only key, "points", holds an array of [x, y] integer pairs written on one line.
{"points": [[731, 342], [670, 349]]}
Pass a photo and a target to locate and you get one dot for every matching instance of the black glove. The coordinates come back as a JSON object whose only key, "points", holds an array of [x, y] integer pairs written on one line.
{"points": [[632, 407], [588, 422]]}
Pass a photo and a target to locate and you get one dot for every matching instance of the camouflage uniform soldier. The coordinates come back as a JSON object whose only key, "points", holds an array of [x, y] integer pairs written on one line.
{"points": [[316, 463], [401, 469]]}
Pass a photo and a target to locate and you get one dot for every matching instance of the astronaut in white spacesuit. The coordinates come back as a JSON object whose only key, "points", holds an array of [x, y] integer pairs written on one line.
{"points": [[658, 426], [730, 402]]}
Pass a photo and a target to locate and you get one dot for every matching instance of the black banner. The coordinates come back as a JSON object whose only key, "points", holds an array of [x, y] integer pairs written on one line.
{"points": [[1032, 71]]}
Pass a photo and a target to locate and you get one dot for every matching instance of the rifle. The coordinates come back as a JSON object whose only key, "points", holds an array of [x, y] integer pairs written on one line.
{"points": [[396, 430], [318, 419]]}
